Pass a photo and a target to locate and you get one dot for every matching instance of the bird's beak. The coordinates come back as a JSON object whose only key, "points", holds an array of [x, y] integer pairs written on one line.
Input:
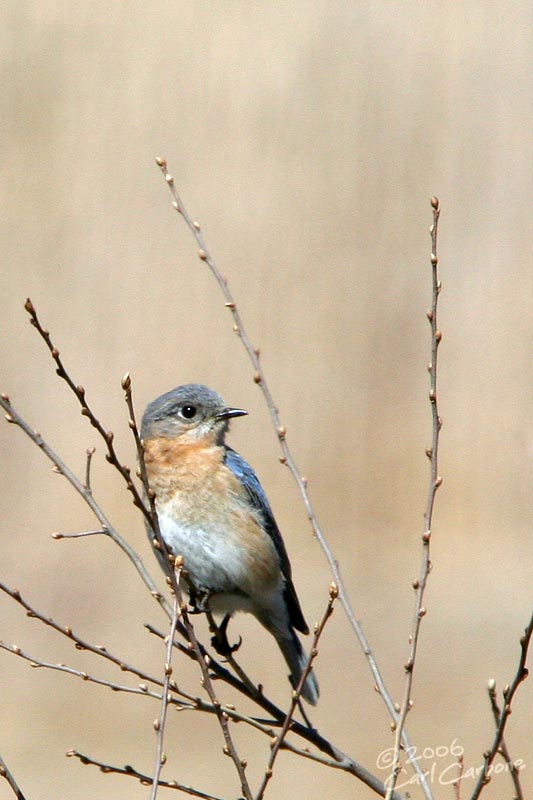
{"points": [[229, 413]]}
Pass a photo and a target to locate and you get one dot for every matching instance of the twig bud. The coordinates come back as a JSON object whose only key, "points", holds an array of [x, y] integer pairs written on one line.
{"points": [[126, 382], [333, 590], [435, 203], [28, 305], [161, 162]]}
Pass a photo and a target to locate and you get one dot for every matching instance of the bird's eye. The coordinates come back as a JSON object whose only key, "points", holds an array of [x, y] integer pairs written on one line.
{"points": [[188, 411]]}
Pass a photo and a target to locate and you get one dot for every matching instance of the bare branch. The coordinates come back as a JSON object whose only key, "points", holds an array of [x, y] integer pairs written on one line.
{"points": [[89, 453], [145, 780], [434, 483], [287, 458], [80, 644], [457, 782], [79, 534], [13, 417], [85, 676], [204, 663], [508, 695], [280, 738], [86, 410], [5, 773], [159, 724], [141, 471], [503, 749]]}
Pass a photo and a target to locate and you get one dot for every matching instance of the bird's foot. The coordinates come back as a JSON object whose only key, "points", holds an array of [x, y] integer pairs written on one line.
{"points": [[198, 600], [219, 640]]}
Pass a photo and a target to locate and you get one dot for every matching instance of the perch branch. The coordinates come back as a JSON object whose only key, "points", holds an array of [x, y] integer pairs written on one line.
{"points": [[204, 662]]}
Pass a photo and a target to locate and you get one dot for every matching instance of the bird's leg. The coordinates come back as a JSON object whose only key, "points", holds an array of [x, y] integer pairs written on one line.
{"points": [[219, 640]]}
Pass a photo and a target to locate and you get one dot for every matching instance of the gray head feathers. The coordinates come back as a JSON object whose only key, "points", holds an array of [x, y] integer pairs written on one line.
{"points": [[186, 408]]}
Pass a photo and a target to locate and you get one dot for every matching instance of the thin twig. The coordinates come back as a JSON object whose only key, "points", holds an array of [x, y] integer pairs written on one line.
{"points": [[141, 472], [503, 749], [187, 701], [79, 534], [287, 458], [8, 775], [86, 410], [85, 676], [337, 758], [434, 482], [159, 724], [457, 782], [13, 417], [89, 454], [278, 740], [203, 662], [145, 780], [79, 643], [508, 694]]}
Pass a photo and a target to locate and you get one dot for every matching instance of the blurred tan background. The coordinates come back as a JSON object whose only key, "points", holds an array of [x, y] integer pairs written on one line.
{"points": [[307, 138]]}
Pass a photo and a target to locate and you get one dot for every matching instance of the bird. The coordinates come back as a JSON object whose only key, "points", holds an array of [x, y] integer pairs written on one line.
{"points": [[213, 511]]}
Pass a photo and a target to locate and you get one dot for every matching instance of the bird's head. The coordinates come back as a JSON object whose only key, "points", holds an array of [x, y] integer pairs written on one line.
{"points": [[191, 412]]}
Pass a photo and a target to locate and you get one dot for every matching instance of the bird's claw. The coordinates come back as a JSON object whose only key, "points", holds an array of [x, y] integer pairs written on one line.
{"points": [[220, 643]]}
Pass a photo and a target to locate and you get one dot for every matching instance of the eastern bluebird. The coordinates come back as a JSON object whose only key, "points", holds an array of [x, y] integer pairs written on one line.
{"points": [[213, 511]]}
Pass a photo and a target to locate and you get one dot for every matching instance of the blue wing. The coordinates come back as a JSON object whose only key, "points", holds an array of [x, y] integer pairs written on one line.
{"points": [[259, 500]]}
